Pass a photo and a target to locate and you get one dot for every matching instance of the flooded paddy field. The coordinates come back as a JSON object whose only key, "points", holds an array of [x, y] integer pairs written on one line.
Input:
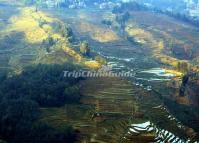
{"points": [[134, 109]]}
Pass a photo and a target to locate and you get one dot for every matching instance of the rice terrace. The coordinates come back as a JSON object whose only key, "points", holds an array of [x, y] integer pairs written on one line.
{"points": [[155, 43]]}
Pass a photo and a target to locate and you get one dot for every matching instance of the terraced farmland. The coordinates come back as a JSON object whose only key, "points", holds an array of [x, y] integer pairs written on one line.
{"points": [[109, 107], [137, 100], [113, 110]]}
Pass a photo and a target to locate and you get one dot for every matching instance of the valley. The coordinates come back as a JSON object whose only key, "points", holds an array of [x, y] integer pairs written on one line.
{"points": [[157, 104]]}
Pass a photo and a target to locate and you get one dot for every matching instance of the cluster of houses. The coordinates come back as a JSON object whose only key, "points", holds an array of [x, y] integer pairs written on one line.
{"points": [[194, 12], [192, 8], [192, 5], [107, 5], [67, 3], [73, 4]]}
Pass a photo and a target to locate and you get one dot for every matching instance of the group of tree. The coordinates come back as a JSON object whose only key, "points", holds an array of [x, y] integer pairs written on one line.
{"points": [[122, 15], [183, 67], [21, 97], [135, 6], [122, 18], [131, 6], [19, 123], [180, 16], [44, 84], [58, 27]]}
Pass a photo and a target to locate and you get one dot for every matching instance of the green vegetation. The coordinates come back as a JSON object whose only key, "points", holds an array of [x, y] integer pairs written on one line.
{"points": [[22, 95], [84, 49], [188, 115], [38, 49], [183, 67], [133, 6], [44, 84], [39, 105], [38, 38], [16, 118], [118, 19], [122, 19], [100, 60]]}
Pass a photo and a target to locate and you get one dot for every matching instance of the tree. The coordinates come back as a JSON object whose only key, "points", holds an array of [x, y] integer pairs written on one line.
{"points": [[100, 60], [126, 16], [117, 10], [183, 67], [85, 49], [107, 22], [122, 19], [48, 43], [185, 80], [16, 118], [72, 93], [43, 83], [28, 2], [43, 133], [2, 141]]}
